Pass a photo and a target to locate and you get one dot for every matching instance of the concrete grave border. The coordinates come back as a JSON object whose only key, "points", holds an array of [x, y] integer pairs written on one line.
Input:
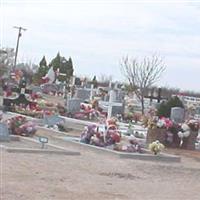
{"points": [[43, 151], [148, 157], [60, 151], [163, 157]]}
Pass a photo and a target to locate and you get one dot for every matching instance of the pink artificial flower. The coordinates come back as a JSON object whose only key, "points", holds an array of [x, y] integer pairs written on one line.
{"points": [[168, 122]]}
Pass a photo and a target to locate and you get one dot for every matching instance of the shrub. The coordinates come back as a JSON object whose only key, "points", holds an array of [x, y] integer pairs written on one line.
{"points": [[164, 110]]}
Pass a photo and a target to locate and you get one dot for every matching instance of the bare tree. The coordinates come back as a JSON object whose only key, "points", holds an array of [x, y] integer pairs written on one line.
{"points": [[142, 74]]}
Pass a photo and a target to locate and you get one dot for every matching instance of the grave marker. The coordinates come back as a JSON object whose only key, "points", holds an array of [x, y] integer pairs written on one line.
{"points": [[114, 107], [43, 140], [177, 114], [52, 120], [4, 133], [83, 94], [73, 105], [21, 99]]}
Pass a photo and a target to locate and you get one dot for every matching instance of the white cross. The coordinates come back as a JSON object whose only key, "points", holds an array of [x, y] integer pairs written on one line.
{"points": [[111, 103]]}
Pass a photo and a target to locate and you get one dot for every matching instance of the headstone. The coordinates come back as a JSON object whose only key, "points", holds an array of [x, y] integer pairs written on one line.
{"points": [[77, 81], [177, 114], [47, 88], [197, 110], [117, 110], [36, 89], [52, 120], [91, 92], [83, 94], [73, 105], [4, 133], [114, 107]]}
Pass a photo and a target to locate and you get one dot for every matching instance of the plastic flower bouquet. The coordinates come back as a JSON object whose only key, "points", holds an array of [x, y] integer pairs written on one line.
{"points": [[156, 147], [21, 126], [193, 124]]}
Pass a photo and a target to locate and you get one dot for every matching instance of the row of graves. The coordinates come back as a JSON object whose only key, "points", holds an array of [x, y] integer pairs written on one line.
{"points": [[176, 132], [152, 133], [29, 102], [88, 103], [111, 134], [91, 103], [83, 102]]}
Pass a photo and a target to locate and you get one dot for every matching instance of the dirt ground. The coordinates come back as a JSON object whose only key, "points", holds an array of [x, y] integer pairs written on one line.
{"points": [[93, 176]]}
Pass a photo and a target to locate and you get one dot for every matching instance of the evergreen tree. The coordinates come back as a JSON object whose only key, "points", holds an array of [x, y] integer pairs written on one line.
{"points": [[43, 62], [41, 71], [69, 69], [65, 67], [164, 109], [43, 68], [56, 62], [94, 82]]}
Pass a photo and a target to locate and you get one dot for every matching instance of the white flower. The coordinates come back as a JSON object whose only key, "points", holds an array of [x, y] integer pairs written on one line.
{"points": [[185, 127], [160, 123], [186, 133], [55, 127], [180, 134]]}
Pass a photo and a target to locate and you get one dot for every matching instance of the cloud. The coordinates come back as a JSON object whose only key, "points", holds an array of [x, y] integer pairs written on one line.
{"points": [[96, 34]]}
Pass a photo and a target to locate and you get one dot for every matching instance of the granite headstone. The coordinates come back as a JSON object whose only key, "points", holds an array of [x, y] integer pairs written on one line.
{"points": [[177, 114], [73, 105], [82, 94]]}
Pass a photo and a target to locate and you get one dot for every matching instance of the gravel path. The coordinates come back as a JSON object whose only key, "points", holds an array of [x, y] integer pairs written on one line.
{"points": [[93, 176]]}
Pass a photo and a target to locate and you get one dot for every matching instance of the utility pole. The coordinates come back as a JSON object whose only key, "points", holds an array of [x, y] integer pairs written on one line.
{"points": [[19, 35]]}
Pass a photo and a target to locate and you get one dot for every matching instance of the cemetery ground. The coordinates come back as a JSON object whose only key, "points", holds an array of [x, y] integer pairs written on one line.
{"points": [[94, 175]]}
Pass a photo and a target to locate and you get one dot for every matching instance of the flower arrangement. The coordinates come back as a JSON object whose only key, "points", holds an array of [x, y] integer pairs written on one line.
{"points": [[19, 125], [107, 135], [188, 133], [156, 147], [39, 109], [101, 136], [193, 124], [128, 144], [172, 134]]}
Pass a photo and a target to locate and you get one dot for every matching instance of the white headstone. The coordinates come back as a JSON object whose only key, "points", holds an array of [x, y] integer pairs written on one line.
{"points": [[111, 99], [114, 105], [91, 92]]}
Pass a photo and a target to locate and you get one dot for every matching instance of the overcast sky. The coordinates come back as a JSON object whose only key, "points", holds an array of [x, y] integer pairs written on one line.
{"points": [[97, 34]]}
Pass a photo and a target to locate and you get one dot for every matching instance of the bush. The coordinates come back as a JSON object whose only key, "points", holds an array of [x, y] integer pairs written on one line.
{"points": [[164, 110]]}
